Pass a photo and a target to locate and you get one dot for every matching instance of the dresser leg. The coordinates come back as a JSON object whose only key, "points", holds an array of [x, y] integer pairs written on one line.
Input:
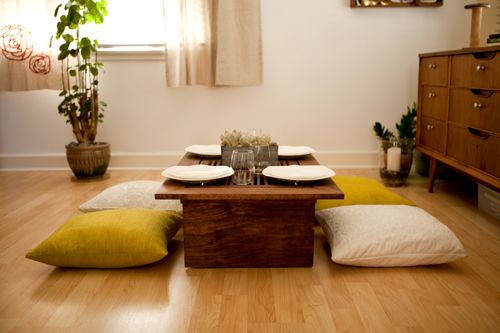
{"points": [[432, 174]]}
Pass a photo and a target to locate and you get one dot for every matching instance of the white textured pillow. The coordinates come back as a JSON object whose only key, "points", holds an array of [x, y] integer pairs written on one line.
{"points": [[134, 194], [388, 235]]}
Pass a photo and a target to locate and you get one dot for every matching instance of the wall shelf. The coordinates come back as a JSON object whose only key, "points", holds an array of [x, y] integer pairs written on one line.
{"points": [[388, 3]]}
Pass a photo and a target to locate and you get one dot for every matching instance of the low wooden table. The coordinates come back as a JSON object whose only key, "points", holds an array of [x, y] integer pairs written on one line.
{"points": [[266, 224]]}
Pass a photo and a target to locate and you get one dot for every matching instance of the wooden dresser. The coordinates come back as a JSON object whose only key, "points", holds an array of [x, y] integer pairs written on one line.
{"points": [[458, 114]]}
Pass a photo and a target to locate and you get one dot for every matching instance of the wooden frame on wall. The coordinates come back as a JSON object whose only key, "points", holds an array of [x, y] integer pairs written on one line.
{"points": [[390, 3]]}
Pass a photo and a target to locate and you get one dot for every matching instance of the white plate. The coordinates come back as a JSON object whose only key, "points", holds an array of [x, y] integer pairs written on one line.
{"points": [[294, 151], [204, 150], [299, 173], [197, 173]]}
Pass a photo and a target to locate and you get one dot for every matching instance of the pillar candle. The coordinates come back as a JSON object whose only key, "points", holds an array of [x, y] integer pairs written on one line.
{"points": [[394, 159]]}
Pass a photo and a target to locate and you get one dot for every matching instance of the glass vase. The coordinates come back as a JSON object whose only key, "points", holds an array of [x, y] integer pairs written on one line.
{"points": [[396, 158]]}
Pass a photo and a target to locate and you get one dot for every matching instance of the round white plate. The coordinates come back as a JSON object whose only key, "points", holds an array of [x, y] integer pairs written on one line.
{"points": [[197, 173], [294, 151], [299, 173], [204, 150]]}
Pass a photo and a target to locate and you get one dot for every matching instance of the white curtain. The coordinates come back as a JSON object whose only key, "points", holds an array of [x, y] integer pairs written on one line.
{"points": [[213, 42], [26, 61]]}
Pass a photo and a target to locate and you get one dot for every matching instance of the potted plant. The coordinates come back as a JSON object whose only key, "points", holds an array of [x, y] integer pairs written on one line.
{"points": [[397, 151], [80, 95]]}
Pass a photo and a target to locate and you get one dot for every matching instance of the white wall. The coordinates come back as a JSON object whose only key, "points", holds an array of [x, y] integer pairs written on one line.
{"points": [[330, 72], [490, 18]]}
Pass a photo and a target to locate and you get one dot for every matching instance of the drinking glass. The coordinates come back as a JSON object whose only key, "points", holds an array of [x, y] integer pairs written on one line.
{"points": [[242, 162], [262, 157]]}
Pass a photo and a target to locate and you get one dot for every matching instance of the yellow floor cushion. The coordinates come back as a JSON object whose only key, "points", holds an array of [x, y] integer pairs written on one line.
{"points": [[109, 239], [362, 191]]}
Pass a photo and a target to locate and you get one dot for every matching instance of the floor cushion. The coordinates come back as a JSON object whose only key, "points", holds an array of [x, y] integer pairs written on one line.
{"points": [[362, 191], [387, 235], [109, 239], [133, 194]]}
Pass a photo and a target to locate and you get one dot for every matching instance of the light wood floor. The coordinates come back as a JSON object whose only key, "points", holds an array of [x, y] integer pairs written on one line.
{"points": [[166, 297]]}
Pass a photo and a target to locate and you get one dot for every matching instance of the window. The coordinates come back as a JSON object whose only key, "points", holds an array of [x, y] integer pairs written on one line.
{"points": [[131, 23]]}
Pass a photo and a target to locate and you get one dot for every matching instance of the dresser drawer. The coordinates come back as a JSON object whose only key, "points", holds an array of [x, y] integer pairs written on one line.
{"points": [[476, 108], [434, 71], [479, 70], [474, 148], [433, 134], [433, 102]]}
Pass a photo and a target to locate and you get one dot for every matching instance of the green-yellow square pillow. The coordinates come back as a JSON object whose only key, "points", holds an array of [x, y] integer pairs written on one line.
{"points": [[109, 239], [362, 191]]}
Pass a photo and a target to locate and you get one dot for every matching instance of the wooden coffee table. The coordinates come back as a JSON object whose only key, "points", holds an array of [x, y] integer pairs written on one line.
{"points": [[267, 224]]}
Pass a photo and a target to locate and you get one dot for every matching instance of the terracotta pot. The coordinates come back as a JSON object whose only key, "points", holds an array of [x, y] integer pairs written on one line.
{"points": [[88, 160]]}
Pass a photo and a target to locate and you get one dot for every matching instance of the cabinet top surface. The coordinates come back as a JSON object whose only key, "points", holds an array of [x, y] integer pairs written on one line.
{"points": [[466, 50]]}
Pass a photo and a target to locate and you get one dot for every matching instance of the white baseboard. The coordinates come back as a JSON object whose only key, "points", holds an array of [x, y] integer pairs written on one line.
{"points": [[141, 161]]}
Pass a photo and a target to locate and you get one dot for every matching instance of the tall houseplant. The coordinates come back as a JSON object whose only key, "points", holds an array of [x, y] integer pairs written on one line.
{"points": [[397, 151], [80, 95]]}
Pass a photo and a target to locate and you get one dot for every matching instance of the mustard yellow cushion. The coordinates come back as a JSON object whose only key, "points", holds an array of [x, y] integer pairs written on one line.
{"points": [[362, 191], [109, 239]]}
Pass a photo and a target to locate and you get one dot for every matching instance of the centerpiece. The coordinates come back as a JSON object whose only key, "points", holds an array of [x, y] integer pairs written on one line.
{"points": [[254, 139]]}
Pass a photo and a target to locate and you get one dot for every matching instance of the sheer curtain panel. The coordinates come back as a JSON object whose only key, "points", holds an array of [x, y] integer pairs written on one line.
{"points": [[26, 61], [213, 42]]}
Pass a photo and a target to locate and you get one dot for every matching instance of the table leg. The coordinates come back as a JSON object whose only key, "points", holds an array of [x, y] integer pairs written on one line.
{"points": [[248, 233], [432, 174]]}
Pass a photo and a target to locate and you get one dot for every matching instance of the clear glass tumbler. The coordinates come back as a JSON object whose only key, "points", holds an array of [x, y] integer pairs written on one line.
{"points": [[262, 157], [242, 162]]}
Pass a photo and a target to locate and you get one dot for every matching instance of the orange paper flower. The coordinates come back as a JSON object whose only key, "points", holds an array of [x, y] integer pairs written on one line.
{"points": [[40, 63], [16, 42]]}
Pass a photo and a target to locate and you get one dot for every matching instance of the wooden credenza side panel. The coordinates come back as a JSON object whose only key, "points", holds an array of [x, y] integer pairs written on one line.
{"points": [[458, 114]]}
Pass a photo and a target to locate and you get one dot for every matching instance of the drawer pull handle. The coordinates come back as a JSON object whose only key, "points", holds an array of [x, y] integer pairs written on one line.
{"points": [[432, 66], [431, 95], [478, 105], [480, 134], [482, 93], [485, 55], [429, 127], [480, 68]]}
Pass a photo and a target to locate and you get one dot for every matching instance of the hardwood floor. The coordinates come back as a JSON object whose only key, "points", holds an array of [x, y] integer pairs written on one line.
{"points": [[166, 297]]}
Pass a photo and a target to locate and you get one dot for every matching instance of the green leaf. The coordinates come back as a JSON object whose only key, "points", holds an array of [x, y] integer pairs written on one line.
{"points": [[75, 87], [68, 38], [73, 52], [64, 47], [85, 51], [95, 82], [57, 10], [72, 72], [63, 55], [74, 16], [62, 93], [82, 67], [85, 41], [94, 71]]}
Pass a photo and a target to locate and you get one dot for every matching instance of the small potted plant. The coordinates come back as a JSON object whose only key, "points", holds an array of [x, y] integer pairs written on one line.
{"points": [[237, 139], [397, 151], [80, 95]]}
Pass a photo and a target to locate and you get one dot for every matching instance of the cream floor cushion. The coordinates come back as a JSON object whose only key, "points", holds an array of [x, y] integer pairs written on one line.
{"points": [[133, 194], [387, 235]]}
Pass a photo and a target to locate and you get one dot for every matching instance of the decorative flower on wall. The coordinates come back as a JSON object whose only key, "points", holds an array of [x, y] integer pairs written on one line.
{"points": [[40, 63], [16, 42]]}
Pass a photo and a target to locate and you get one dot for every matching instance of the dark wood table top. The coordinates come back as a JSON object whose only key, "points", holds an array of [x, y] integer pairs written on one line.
{"points": [[263, 188]]}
